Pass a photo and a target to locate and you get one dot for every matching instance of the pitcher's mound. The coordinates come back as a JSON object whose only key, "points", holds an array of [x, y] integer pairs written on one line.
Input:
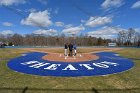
{"points": [[78, 58]]}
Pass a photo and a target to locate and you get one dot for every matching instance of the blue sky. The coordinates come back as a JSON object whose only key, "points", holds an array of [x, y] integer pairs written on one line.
{"points": [[98, 18]]}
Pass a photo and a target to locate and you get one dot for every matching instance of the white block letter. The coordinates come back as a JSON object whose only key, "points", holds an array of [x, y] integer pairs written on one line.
{"points": [[110, 63], [87, 66], [101, 65], [70, 67], [30, 62], [52, 67], [38, 65]]}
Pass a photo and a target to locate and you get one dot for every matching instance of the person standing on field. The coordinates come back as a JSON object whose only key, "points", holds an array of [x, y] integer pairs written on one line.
{"points": [[74, 47], [65, 50], [70, 49]]}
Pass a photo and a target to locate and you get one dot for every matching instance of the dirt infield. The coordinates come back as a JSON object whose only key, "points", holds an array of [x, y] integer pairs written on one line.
{"points": [[83, 54], [77, 58]]}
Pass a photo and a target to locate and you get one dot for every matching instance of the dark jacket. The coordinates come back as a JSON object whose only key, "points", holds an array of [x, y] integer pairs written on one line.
{"points": [[70, 47], [66, 46]]}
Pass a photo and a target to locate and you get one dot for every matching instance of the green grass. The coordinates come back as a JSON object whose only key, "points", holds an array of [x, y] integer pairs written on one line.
{"points": [[14, 82]]}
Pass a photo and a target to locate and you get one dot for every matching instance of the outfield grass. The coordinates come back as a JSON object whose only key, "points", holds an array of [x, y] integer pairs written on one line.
{"points": [[14, 82]]}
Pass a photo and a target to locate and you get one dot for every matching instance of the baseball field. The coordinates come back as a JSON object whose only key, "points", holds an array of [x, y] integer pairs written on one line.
{"points": [[15, 82]]}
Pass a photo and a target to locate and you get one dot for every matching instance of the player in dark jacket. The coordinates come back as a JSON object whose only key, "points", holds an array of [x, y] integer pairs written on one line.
{"points": [[65, 49], [70, 49]]}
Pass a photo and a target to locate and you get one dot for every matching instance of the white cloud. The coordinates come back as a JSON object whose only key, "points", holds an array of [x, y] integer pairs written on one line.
{"points": [[107, 4], [73, 30], [136, 5], [59, 24], [43, 2], [28, 10], [32, 10], [50, 32], [19, 10], [6, 32], [7, 24], [137, 30], [11, 2], [97, 21], [41, 18], [83, 21], [106, 32], [68, 26]]}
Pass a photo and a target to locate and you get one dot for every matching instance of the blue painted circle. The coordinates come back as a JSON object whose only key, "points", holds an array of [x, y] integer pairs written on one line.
{"points": [[108, 63]]}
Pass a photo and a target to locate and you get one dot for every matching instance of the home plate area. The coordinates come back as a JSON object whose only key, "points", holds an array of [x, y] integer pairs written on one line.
{"points": [[78, 58], [55, 64]]}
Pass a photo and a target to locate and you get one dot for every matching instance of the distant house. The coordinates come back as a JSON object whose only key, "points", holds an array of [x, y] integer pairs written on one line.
{"points": [[112, 44], [1, 44]]}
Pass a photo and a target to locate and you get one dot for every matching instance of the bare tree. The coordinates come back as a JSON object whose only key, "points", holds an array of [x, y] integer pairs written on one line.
{"points": [[122, 37], [130, 36], [17, 39]]}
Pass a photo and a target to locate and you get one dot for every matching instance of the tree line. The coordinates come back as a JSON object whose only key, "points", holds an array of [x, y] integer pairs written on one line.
{"points": [[40, 40], [124, 38], [131, 37]]}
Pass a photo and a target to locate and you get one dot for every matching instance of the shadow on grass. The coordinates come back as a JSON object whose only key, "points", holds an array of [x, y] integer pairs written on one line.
{"points": [[93, 90], [134, 58]]}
